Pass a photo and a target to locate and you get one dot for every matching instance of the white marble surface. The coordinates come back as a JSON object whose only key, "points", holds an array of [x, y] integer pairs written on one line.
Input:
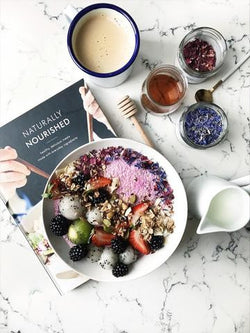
{"points": [[204, 286]]}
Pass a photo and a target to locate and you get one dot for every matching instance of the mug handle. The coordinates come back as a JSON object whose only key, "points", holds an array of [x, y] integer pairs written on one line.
{"points": [[69, 13]]}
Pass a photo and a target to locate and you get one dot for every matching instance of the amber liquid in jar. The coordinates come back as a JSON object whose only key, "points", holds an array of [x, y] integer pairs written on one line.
{"points": [[164, 89]]}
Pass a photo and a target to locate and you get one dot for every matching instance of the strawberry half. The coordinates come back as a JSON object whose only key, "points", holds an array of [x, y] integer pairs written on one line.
{"points": [[138, 243], [98, 182], [138, 211], [101, 238]]}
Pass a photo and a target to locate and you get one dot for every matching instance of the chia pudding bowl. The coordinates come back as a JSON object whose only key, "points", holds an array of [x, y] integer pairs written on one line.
{"points": [[114, 209]]}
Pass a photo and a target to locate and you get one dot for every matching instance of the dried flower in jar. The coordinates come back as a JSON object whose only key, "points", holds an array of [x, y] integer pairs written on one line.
{"points": [[203, 126], [199, 55]]}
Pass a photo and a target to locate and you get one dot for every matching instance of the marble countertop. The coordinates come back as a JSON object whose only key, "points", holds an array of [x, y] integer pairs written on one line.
{"points": [[204, 286]]}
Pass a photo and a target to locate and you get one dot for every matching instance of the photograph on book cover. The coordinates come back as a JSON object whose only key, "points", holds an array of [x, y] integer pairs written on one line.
{"points": [[42, 137]]}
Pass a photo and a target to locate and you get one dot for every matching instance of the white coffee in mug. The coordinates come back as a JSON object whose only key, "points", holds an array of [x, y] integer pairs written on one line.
{"points": [[103, 41]]}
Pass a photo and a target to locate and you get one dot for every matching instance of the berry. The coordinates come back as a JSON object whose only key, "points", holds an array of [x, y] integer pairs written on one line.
{"points": [[59, 225], [80, 180], [138, 211], [78, 252], [156, 243], [55, 189], [98, 182], [119, 244], [99, 196], [138, 242], [101, 238], [120, 269], [140, 208]]}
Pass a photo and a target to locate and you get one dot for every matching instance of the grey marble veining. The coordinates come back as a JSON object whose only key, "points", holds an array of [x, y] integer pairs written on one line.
{"points": [[204, 286]]}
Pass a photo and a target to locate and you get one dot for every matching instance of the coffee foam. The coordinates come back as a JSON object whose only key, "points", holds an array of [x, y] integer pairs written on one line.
{"points": [[103, 40]]}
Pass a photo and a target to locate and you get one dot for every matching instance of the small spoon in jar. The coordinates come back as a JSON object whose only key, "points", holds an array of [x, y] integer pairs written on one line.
{"points": [[204, 95]]}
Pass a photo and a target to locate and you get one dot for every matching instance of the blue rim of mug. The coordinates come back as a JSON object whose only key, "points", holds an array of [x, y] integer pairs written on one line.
{"points": [[76, 20]]}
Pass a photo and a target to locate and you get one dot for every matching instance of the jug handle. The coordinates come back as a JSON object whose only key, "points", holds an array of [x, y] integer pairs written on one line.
{"points": [[243, 182], [246, 188], [69, 13]]}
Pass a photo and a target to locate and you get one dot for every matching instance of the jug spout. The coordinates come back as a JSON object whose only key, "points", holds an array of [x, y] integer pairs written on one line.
{"points": [[207, 226], [228, 211]]}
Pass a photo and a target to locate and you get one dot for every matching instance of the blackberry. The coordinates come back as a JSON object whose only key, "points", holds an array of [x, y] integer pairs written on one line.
{"points": [[98, 196], [119, 244], [120, 269], [59, 225], [156, 243], [81, 180], [78, 252]]}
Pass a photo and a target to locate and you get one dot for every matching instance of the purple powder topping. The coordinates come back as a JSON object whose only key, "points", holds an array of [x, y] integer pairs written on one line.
{"points": [[138, 174], [132, 180], [203, 126]]}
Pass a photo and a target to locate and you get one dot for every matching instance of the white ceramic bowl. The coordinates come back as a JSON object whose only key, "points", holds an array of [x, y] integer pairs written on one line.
{"points": [[147, 263]]}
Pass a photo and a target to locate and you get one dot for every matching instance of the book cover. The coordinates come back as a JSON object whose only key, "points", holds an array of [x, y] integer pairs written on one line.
{"points": [[43, 136]]}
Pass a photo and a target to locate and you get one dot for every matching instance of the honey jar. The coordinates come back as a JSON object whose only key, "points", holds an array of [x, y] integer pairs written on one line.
{"points": [[163, 90]]}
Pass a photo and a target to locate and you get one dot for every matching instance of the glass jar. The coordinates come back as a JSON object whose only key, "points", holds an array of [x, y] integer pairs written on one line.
{"points": [[202, 125], [215, 40], [163, 90]]}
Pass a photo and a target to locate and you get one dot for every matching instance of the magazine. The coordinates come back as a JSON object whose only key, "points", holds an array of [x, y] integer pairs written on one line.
{"points": [[43, 137]]}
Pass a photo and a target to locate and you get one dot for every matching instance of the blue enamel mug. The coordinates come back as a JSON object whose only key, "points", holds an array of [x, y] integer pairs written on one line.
{"points": [[103, 41]]}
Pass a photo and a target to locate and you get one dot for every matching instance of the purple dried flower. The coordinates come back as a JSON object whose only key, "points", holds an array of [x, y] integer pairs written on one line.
{"points": [[203, 126], [199, 55], [91, 163]]}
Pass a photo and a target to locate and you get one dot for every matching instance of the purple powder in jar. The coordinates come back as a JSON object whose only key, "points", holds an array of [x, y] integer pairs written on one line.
{"points": [[203, 126]]}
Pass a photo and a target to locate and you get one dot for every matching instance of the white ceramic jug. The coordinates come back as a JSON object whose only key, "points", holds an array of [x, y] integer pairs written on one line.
{"points": [[219, 204]]}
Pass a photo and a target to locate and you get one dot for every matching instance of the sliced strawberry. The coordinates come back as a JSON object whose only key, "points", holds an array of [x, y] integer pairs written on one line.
{"points": [[138, 211], [98, 182], [55, 188], [140, 208], [101, 238], [138, 243]]}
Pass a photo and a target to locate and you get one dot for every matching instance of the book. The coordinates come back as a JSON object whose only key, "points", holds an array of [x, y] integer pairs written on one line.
{"points": [[43, 136]]}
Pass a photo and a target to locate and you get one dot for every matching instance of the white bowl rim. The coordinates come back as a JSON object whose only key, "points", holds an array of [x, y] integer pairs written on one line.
{"points": [[166, 251]]}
